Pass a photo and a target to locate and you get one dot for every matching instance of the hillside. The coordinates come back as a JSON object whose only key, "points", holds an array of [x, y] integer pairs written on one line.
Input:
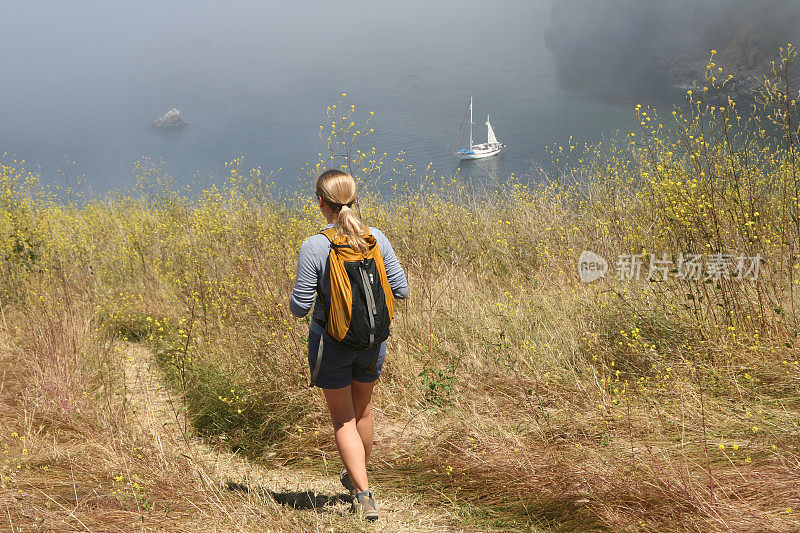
{"points": [[154, 380]]}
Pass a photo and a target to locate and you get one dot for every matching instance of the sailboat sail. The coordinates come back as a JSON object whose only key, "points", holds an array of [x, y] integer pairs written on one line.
{"points": [[490, 138]]}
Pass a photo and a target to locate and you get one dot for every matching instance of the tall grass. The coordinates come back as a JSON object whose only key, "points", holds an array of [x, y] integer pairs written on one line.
{"points": [[526, 398]]}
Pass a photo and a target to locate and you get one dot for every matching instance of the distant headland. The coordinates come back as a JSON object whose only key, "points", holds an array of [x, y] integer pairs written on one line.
{"points": [[625, 45]]}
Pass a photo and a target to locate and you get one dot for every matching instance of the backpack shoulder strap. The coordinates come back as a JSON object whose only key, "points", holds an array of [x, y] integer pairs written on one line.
{"points": [[329, 233]]}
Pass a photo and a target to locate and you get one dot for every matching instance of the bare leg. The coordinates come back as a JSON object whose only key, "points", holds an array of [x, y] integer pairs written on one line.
{"points": [[362, 394], [348, 440]]}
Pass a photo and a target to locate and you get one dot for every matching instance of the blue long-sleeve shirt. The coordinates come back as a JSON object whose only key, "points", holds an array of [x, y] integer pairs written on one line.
{"points": [[313, 279]]}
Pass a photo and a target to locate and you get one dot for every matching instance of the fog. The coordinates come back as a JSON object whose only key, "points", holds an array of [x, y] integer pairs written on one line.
{"points": [[84, 80], [615, 43]]}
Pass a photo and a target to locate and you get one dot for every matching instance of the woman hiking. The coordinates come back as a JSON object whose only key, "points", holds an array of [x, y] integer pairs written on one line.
{"points": [[344, 367]]}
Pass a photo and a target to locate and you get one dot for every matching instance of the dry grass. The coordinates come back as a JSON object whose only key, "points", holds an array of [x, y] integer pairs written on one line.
{"points": [[151, 358], [125, 464]]}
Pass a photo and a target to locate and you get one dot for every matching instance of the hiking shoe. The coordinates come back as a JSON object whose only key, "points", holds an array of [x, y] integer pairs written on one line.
{"points": [[365, 501], [344, 477]]}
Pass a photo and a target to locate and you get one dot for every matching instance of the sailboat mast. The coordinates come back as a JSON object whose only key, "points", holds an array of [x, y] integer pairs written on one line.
{"points": [[470, 123]]}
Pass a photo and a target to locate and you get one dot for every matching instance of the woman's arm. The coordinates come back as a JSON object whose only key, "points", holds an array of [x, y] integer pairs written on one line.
{"points": [[305, 283], [394, 272]]}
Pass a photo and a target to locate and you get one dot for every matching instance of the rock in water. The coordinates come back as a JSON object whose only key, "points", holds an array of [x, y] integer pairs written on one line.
{"points": [[170, 119]]}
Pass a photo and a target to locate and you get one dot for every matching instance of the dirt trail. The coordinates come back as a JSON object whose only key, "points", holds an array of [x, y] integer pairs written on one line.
{"points": [[323, 501]]}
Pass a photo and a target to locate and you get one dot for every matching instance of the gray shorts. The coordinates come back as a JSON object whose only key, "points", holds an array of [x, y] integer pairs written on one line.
{"points": [[340, 365]]}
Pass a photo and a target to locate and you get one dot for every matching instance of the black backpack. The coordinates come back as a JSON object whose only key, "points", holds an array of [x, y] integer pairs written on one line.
{"points": [[362, 304]]}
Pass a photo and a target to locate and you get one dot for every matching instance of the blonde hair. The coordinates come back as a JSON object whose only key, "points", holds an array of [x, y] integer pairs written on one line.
{"points": [[338, 190]]}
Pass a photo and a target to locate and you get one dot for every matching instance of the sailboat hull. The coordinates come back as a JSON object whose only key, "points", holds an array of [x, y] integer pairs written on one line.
{"points": [[479, 151]]}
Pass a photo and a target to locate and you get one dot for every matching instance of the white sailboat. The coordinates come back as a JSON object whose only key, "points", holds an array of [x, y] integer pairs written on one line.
{"points": [[477, 151]]}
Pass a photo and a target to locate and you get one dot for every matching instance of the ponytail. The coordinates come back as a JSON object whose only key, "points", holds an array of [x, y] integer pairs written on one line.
{"points": [[338, 190]]}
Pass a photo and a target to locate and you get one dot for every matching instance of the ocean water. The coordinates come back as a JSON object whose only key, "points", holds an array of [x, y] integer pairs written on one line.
{"points": [[83, 81]]}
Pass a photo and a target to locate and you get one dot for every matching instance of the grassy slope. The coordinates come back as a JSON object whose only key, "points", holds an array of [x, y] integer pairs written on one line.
{"points": [[514, 397]]}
